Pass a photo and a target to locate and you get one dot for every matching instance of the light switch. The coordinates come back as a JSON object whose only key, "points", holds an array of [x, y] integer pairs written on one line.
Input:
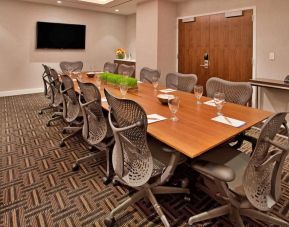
{"points": [[271, 56]]}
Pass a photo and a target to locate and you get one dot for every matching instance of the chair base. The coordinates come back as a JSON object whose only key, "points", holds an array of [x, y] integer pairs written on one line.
{"points": [[109, 173], [149, 193], [55, 116], [235, 216], [75, 131]]}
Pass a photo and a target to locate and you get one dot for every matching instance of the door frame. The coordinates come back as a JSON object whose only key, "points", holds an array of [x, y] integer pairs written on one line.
{"points": [[254, 54]]}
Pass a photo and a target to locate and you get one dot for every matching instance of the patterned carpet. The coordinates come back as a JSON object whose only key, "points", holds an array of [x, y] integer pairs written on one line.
{"points": [[38, 188]]}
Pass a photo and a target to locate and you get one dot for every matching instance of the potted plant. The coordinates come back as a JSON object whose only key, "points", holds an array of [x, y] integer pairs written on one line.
{"points": [[120, 53]]}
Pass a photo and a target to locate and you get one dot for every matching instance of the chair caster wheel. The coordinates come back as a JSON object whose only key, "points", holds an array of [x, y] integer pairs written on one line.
{"points": [[40, 112], [185, 182], [61, 144], [115, 182], [48, 124], [187, 198], [75, 167], [109, 222], [106, 180]]}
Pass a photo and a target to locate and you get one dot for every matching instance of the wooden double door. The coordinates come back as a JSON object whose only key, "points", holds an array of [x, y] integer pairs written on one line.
{"points": [[225, 43]]}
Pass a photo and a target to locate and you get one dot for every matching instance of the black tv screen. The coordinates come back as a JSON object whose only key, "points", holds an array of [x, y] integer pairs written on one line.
{"points": [[60, 36]]}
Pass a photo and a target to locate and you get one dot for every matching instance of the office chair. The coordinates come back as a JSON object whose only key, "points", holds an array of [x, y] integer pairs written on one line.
{"points": [[56, 97], [132, 159], [71, 109], [110, 67], [245, 185], [181, 82], [127, 70], [96, 130], [46, 78], [147, 74], [235, 92], [69, 67]]}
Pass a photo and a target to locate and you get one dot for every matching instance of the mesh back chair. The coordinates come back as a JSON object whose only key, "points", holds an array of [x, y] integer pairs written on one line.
{"points": [[46, 78], [132, 159], [235, 92], [56, 97], [110, 67], [71, 108], [245, 185], [68, 67], [182, 82], [146, 74], [96, 130], [127, 70]]}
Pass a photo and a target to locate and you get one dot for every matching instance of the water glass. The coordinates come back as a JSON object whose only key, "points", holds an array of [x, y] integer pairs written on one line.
{"points": [[198, 90], [123, 87], [219, 99], [155, 82], [125, 74], [174, 104]]}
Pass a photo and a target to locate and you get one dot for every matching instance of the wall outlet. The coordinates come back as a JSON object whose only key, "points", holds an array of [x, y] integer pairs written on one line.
{"points": [[271, 56]]}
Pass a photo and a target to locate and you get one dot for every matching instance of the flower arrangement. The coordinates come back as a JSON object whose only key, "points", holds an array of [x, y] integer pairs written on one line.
{"points": [[120, 52], [118, 79]]}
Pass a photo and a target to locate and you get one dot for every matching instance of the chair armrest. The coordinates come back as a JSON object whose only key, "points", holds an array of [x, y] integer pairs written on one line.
{"points": [[281, 147], [138, 123], [220, 172], [168, 149]]}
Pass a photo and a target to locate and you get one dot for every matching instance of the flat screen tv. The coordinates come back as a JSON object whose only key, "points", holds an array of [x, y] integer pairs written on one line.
{"points": [[60, 36]]}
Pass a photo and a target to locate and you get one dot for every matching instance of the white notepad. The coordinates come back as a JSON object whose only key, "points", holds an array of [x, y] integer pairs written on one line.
{"points": [[168, 90], [210, 103], [229, 121], [152, 118]]}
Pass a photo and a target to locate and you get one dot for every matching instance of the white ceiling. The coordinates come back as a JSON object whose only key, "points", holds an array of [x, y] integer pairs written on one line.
{"points": [[126, 7]]}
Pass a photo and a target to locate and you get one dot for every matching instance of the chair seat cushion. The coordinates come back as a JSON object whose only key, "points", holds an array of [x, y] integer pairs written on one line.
{"points": [[236, 160]]}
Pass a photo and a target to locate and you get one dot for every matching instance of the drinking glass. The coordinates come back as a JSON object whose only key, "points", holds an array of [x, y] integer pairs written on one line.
{"points": [[219, 99], [123, 87], [155, 82], [198, 90], [125, 73], [174, 104]]}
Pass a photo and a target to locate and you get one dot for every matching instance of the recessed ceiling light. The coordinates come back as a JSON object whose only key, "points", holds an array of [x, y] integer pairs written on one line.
{"points": [[116, 10], [59, 2], [101, 2]]}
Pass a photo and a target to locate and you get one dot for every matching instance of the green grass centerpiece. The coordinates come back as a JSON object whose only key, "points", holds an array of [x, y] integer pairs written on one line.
{"points": [[117, 79]]}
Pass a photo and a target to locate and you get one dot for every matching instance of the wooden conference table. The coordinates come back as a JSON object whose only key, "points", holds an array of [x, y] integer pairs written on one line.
{"points": [[194, 133]]}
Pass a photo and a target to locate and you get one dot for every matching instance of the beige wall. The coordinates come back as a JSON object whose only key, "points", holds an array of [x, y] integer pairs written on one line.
{"points": [[146, 35], [156, 36], [130, 35], [20, 62], [272, 35], [167, 54]]}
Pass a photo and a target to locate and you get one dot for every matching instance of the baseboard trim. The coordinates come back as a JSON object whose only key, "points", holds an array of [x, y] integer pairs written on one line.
{"points": [[20, 92]]}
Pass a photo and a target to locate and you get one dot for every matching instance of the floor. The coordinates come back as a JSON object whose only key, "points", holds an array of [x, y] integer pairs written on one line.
{"points": [[38, 188]]}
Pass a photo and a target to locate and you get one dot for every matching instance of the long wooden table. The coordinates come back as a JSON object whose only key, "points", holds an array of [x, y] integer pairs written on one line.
{"points": [[195, 132]]}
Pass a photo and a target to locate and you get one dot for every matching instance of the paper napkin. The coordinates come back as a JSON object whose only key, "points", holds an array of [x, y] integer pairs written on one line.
{"points": [[229, 121], [210, 103], [168, 90], [152, 118]]}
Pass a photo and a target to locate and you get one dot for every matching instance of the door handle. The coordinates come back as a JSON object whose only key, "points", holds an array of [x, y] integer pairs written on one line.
{"points": [[206, 64]]}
